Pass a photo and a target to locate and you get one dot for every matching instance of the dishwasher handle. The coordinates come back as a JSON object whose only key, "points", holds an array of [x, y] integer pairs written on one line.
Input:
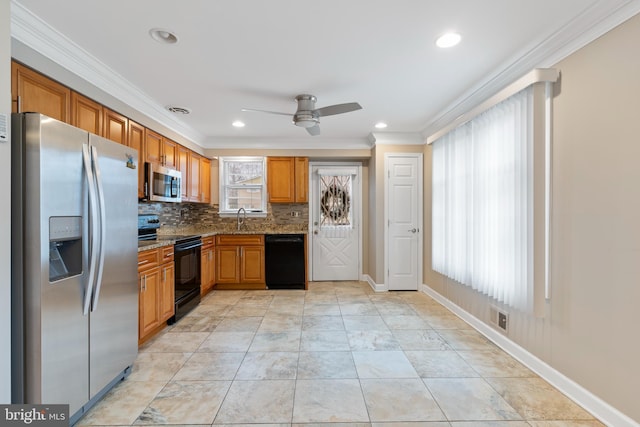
{"points": [[284, 239]]}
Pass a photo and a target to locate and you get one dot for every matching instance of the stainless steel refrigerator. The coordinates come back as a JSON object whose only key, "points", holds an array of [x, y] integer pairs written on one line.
{"points": [[74, 266]]}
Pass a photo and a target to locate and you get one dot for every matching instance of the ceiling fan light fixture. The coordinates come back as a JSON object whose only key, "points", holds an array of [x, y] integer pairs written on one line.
{"points": [[306, 123], [448, 40], [163, 36]]}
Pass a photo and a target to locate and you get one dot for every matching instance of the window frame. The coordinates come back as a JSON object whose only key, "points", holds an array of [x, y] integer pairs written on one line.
{"points": [[223, 209]]}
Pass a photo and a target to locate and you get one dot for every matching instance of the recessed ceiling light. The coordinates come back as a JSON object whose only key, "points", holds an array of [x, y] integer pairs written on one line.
{"points": [[178, 110], [238, 124], [448, 40], [381, 125], [163, 36]]}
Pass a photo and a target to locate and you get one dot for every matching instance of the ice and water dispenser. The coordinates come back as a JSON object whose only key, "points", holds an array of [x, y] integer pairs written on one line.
{"points": [[65, 247]]}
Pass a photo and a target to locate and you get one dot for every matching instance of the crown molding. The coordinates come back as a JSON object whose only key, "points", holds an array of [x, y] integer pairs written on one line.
{"points": [[593, 22], [308, 143], [396, 138], [38, 35]]}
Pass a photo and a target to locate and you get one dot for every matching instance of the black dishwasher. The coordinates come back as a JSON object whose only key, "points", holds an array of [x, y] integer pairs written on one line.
{"points": [[284, 261]]}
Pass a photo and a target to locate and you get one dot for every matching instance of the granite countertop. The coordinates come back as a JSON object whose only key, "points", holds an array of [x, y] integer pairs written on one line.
{"points": [[206, 232]]}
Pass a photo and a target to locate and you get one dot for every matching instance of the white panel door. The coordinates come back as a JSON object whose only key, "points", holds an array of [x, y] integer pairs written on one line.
{"points": [[403, 214], [335, 236]]}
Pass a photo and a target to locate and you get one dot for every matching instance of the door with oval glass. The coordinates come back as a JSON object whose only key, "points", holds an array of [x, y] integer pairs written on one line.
{"points": [[335, 218]]}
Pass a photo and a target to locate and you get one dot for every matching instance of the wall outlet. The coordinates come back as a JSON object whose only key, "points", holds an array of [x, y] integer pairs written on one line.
{"points": [[295, 214], [499, 318], [502, 321]]}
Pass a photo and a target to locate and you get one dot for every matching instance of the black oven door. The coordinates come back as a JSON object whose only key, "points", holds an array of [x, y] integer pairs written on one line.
{"points": [[187, 276]]}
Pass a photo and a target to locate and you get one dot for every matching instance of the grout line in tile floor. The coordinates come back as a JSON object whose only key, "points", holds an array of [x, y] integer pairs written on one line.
{"points": [[337, 354]]}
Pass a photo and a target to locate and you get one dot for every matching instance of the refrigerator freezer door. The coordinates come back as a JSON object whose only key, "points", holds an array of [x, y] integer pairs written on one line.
{"points": [[114, 311], [56, 351]]}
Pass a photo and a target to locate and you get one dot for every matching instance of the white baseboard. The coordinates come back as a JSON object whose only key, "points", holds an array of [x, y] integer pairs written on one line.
{"points": [[597, 407], [375, 286]]}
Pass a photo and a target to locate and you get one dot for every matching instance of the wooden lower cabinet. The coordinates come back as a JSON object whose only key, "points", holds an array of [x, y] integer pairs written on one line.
{"points": [[207, 273], [156, 291], [239, 262], [167, 291], [149, 311]]}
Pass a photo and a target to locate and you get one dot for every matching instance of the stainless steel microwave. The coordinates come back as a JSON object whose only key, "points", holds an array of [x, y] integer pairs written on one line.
{"points": [[162, 184]]}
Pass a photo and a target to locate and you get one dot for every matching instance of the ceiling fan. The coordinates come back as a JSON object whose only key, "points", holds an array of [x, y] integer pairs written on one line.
{"points": [[308, 116]]}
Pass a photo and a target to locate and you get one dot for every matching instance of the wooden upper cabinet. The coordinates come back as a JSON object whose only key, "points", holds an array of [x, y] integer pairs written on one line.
{"points": [[184, 155], [288, 179], [205, 180], [302, 179], [33, 92], [169, 153], [152, 147], [86, 114], [280, 182], [135, 140], [193, 192], [116, 127]]}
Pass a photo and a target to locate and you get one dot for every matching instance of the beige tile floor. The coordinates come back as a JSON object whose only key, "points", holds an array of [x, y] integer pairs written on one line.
{"points": [[337, 353]]}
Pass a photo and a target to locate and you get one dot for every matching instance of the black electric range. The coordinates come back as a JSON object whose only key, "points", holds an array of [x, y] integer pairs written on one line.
{"points": [[186, 250]]}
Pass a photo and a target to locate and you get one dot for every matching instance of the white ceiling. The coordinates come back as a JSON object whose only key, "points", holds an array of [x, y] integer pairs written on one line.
{"points": [[260, 54]]}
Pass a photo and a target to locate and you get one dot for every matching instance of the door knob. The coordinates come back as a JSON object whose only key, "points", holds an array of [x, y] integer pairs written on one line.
{"points": [[413, 230]]}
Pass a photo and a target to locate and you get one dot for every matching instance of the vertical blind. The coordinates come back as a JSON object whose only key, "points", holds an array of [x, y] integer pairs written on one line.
{"points": [[483, 202]]}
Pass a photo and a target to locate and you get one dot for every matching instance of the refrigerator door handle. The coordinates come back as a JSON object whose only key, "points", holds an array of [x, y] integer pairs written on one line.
{"points": [[102, 226], [92, 233]]}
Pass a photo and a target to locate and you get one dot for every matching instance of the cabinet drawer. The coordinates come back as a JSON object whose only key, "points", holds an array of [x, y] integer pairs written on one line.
{"points": [[240, 239], [148, 259], [167, 254], [207, 241]]}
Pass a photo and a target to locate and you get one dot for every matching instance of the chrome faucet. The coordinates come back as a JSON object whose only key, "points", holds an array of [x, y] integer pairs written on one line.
{"points": [[244, 217]]}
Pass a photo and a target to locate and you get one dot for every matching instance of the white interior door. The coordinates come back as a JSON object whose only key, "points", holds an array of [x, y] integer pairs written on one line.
{"points": [[335, 238], [404, 213]]}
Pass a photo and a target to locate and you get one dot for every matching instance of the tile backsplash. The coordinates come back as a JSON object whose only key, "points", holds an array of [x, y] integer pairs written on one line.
{"points": [[177, 216]]}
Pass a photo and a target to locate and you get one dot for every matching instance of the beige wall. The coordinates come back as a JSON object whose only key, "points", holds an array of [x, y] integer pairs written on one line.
{"points": [[5, 210], [590, 332]]}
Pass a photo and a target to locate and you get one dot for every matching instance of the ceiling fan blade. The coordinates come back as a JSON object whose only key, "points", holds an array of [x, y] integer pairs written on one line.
{"points": [[252, 110], [338, 109], [314, 130]]}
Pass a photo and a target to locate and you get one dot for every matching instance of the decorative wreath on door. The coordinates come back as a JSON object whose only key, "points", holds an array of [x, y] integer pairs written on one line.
{"points": [[335, 202]]}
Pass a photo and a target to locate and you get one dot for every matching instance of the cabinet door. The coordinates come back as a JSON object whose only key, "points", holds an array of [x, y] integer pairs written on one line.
{"points": [[136, 140], [207, 273], [152, 147], [252, 264], [280, 179], [183, 166], [212, 267], [86, 114], [193, 192], [169, 153], [31, 91], [205, 267], [149, 315], [302, 179], [167, 291], [227, 264], [205, 180], [116, 127]]}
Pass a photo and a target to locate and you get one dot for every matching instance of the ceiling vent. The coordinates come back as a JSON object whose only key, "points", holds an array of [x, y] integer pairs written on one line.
{"points": [[178, 110]]}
